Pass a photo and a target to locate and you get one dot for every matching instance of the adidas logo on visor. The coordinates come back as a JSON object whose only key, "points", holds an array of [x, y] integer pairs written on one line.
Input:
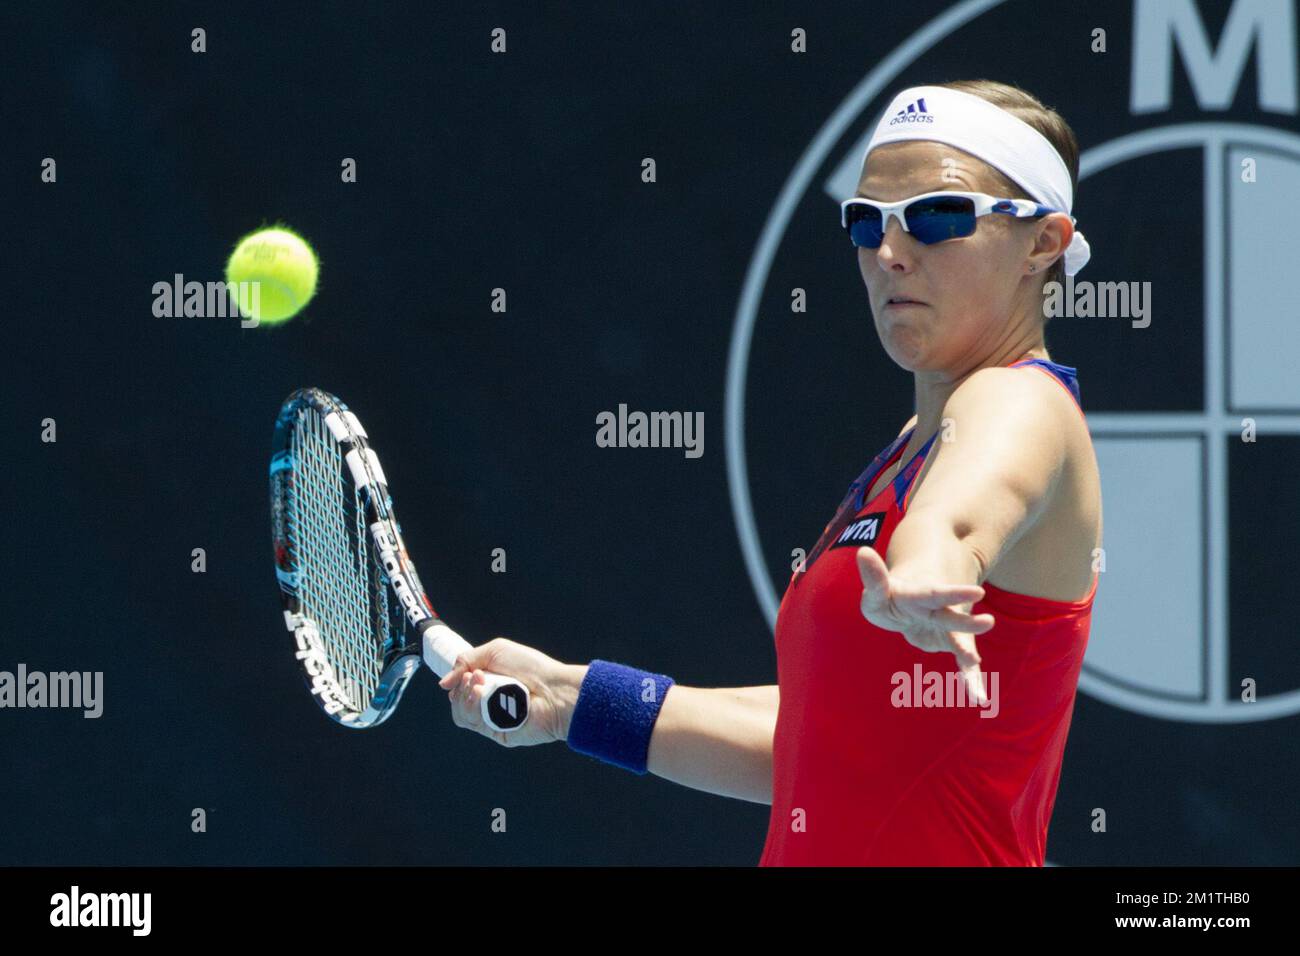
{"points": [[913, 113]]}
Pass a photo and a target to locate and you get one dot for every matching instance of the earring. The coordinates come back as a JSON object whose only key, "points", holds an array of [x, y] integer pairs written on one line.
{"points": [[1033, 268]]}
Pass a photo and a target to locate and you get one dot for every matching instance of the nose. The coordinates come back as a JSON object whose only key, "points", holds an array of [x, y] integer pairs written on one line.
{"points": [[897, 249]]}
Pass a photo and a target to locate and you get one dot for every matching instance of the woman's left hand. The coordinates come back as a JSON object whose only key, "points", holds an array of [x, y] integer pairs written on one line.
{"points": [[932, 617]]}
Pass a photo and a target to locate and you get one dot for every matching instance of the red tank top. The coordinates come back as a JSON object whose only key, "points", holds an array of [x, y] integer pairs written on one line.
{"points": [[864, 772]]}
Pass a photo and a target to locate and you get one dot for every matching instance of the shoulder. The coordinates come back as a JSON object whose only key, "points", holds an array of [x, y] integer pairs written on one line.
{"points": [[1028, 397], [1020, 418]]}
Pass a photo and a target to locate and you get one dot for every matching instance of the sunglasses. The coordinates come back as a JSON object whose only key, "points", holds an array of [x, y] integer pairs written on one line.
{"points": [[930, 217]]}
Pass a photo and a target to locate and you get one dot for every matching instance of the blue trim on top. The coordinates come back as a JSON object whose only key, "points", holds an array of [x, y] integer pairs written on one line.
{"points": [[858, 490], [905, 477], [1067, 375]]}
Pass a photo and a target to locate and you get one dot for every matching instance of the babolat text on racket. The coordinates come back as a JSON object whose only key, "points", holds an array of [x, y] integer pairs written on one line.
{"points": [[360, 618]]}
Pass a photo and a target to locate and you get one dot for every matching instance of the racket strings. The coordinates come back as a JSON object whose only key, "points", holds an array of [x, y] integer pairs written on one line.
{"points": [[337, 571]]}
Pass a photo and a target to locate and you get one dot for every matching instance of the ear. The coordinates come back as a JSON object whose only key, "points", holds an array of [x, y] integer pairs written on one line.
{"points": [[1051, 239]]}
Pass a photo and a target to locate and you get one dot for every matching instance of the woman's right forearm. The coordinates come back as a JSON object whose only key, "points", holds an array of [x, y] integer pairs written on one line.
{"points": [[717, 739]]}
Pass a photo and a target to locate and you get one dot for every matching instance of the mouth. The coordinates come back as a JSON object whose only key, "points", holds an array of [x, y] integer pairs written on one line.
{"points": [[901, 301]]}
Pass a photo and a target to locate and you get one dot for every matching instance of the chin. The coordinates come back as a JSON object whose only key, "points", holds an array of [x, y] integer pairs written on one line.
{"points": [[906, 347]]}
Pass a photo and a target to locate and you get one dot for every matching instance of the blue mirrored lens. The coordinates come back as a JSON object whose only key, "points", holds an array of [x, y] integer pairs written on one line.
{"points": [[941, 218], [864, 226]]}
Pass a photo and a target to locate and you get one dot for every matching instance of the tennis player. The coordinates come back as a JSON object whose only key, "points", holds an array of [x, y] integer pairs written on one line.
{"points": [[929, 649]]}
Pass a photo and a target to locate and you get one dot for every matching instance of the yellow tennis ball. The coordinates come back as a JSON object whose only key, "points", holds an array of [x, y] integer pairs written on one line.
{"points": [[273, 272]]}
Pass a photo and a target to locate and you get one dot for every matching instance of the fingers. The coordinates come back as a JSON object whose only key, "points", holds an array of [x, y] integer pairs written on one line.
{"points": [[974, 680], [952, 619], [886, 601], [875, 604], [877, 582], [968, 662], [471, 697], [872, 570], [466, 706], [963, 646], [471, 658], [938, 595], [453, 676]]}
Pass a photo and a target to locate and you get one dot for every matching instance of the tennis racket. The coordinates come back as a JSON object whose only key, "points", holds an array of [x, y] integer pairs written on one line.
{"points": [[360, 618]]}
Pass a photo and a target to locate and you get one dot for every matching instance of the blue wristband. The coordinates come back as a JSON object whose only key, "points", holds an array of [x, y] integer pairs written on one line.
{"points": [[612, 719]]}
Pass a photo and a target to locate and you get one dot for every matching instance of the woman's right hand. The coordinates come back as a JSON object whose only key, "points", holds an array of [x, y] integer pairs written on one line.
{"points": [[552, 688]]}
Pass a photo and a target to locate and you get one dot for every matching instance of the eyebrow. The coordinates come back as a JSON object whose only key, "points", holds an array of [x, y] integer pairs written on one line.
{"points": [[938, 189]]}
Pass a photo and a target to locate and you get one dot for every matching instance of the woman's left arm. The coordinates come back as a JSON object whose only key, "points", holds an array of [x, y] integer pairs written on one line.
{"points": [[991, 476], [996, 464]]}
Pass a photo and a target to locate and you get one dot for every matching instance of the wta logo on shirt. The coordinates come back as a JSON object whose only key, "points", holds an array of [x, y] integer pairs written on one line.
{"points": [[862, 531]]}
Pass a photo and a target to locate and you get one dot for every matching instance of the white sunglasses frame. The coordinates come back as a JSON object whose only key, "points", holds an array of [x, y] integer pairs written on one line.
{"points": [[984, 205]]}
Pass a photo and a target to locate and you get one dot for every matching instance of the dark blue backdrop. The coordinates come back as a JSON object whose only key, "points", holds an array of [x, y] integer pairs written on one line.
{"points": [[478, 171]]}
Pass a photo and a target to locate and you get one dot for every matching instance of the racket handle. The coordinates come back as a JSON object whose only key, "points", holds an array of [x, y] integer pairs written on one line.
{"points": [[505, 700]]}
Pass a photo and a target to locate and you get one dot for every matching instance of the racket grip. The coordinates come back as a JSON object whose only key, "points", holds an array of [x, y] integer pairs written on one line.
{"points": [[505, 700]]}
